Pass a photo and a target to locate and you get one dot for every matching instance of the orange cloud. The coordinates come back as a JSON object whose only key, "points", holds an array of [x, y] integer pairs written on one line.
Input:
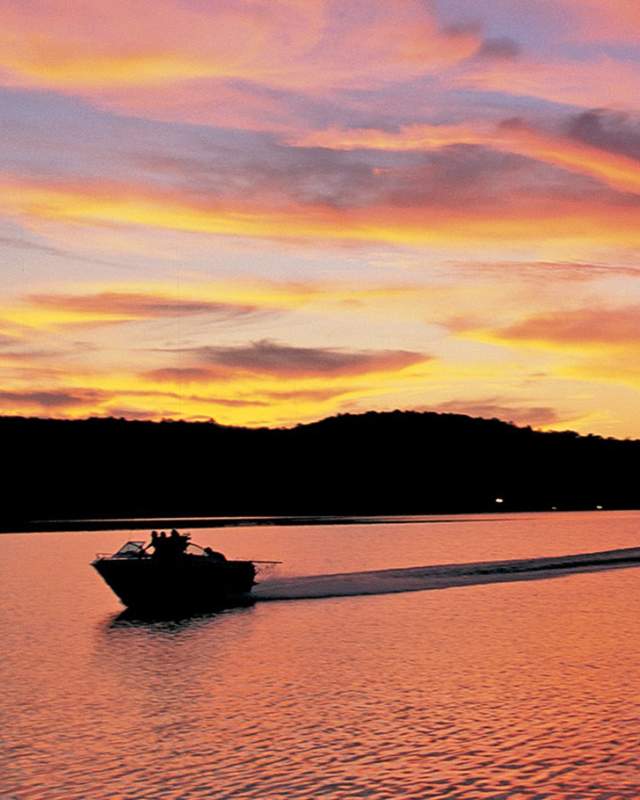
{"points": [[582, 327], [281, 43], [527, 217], [587, 344]]}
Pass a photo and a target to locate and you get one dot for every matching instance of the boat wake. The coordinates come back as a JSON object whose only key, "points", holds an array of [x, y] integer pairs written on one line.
{"points": [[413, 579]]}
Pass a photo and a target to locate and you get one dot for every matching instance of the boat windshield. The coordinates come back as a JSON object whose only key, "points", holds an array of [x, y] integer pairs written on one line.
{"points": [[133, 548]]}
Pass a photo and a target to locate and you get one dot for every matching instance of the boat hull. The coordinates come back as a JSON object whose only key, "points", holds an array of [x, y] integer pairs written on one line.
{"points": [[190, 583]]}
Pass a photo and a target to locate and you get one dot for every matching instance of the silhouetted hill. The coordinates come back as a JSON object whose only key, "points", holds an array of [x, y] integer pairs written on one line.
{"points": [[373, 463]]}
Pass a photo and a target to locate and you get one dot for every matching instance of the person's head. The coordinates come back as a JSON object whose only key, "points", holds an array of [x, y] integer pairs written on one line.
{"points": [[174, 533], [154, 534], [163, 535]]}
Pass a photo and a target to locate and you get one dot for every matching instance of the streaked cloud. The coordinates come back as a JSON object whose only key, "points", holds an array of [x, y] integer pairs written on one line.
{"points": [[545, 272], [123, 305], [51, 400], [7, 341], [267, 357], [581, 151], [607, 130]]}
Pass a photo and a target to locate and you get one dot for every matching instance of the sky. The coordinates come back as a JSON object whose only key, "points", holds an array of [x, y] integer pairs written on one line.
{"points": [[265, 212]]}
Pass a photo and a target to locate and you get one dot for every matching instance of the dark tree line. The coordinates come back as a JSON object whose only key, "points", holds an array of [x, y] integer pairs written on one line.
{"points": [[373, 463]]}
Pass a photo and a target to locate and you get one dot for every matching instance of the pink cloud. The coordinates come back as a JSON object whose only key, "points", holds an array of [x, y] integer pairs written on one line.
{"points": [[500, 408], [599, 81], [597, 20]]}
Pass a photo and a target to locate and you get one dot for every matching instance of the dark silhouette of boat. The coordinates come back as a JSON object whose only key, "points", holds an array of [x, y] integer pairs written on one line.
{"points": [[175, 578]]}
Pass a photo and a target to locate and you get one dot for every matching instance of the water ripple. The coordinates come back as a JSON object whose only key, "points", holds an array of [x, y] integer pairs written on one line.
{"points": [[513, 690]]}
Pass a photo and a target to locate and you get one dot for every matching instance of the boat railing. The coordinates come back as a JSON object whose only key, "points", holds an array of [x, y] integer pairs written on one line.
{"points": [[136, 549]]}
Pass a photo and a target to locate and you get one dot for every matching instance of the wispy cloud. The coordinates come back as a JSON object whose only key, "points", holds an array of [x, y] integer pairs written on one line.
{"points": [[52, 400], [58, 252], [130, 305]]}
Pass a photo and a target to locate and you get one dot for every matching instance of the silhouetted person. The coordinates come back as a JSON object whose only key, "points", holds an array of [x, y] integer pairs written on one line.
{"points": [[214, 554], [178, 543], [153, 543], [161, 545]]}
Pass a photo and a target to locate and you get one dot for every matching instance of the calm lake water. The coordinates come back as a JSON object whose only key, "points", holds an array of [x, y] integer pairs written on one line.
{"points": [[506, 690]]}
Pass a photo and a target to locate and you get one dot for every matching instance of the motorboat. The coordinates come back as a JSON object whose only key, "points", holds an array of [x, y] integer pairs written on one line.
{"points": [[178, 575]]}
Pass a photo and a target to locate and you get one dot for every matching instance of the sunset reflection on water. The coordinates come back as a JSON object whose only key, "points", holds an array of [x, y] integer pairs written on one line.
{"points": [[515, 690]]}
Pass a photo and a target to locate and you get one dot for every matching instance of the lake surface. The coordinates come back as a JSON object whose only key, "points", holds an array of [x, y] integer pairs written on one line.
{"points": [[503, 690]]}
